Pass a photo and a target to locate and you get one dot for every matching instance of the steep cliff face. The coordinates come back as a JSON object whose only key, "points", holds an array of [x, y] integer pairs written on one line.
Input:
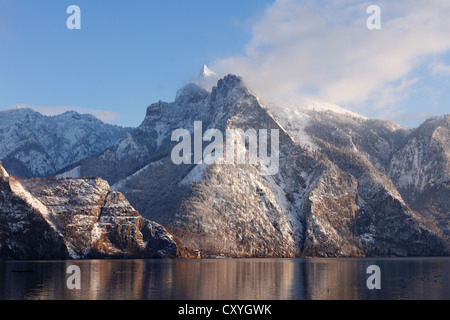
{"points": [[332, 194], [421, 171], [24, 232], [78, 219], [331, 210], [384, 224], [97, 222]]}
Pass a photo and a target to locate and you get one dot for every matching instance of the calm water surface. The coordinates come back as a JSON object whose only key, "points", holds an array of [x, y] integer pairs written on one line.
{"points": [[228, 279]]}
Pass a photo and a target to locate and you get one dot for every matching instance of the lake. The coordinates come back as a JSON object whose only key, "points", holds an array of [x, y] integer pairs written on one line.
{"points": [[227, 279]]}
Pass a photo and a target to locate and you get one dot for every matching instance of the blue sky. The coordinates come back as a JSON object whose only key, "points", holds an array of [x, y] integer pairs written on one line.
{"points": [[130, 54], [127, 55]]}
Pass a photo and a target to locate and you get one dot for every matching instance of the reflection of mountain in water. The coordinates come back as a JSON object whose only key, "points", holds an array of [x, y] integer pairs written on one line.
{"points": [[228, 279]]}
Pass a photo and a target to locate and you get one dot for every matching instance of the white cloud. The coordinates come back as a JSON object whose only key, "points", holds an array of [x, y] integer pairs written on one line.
{"points": [[391, 94], [324, 49], [441, 69], [103, 115]]}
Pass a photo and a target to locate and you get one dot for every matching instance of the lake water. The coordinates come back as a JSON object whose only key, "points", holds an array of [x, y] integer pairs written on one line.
{"points": [[227, 279]]}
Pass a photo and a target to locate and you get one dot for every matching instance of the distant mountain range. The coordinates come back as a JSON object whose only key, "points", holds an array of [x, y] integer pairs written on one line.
{"points": [[33, 145], [346, 185]]}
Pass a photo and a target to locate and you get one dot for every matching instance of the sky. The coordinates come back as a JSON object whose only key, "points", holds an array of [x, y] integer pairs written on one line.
{"points": [[129, 54]]}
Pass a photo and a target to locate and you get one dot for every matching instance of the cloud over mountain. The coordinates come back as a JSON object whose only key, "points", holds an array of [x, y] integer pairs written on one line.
{"points": [[325, 50]]}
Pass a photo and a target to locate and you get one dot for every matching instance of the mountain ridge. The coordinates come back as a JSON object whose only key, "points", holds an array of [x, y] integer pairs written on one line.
{"points": [[34, 145], [345, 186], [333, 195]]}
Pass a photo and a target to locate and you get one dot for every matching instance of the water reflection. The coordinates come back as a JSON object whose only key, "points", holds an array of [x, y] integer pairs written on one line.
{"points": [[227, 279]]}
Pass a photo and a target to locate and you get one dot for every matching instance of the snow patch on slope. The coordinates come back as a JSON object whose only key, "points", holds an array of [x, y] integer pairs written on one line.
{"points": [[3, 173], [122, 183], [294, 122], [290, 210], [20, 191], [207, 78], [195, 175], [74, 173], [125, 146]]}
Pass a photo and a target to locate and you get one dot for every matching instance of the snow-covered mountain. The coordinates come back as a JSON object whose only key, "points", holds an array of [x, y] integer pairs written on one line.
{"points": [[207, 78], [33, 145], [420, 168], [345, 184], [75, 218]]}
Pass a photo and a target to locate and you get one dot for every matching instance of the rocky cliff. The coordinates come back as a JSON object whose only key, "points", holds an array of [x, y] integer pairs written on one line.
{"points": [[76, 218]]}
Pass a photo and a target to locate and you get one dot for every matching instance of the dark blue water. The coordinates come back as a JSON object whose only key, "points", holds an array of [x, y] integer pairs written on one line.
{"points": [[228, 279]]}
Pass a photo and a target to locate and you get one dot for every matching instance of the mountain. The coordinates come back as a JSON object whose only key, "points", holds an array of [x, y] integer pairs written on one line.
{"points": [[416, 161], [33, 145], [24, 233], [337, 190], [75, 218], [206, 73], [207, 78], [420, 169], [367, 149]]}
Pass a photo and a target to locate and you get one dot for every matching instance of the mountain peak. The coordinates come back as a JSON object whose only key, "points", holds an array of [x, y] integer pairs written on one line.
{"points": [[19, 110], [230, 82], [207, 78], [206, 73], [190, 93]]}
